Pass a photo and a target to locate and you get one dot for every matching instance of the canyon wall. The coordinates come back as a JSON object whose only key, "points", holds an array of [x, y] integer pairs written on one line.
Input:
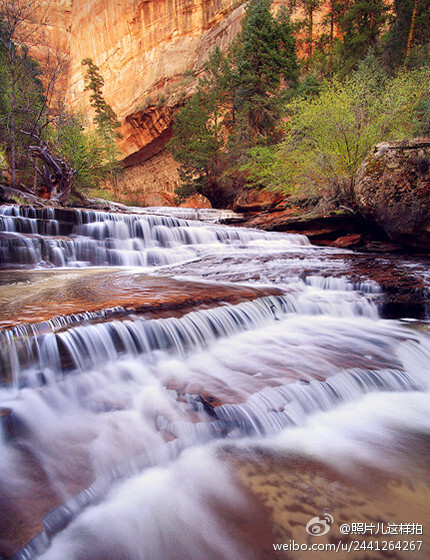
{"points": [[150, 53]]}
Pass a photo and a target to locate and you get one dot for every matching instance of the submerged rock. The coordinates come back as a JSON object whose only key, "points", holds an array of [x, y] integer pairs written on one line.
{"points": [[393, 190]]}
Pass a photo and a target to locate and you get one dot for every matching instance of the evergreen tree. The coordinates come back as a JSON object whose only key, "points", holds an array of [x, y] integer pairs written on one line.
{"points": [[336, 9], [197, 144], [265, 55], [105, 118], [409, 29], [309, 8], [203, 126], [237, 105], [286, 48], [220, 82], [360, 23]]}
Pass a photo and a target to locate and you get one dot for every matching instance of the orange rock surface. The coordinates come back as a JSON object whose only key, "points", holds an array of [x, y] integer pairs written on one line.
{"points": [[150, 53]]}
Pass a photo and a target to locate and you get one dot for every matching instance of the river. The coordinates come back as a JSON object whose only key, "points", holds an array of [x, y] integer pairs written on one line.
{"points": [[175, 388]]}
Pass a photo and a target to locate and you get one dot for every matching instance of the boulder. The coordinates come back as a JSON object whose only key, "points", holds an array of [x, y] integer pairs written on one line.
{"points": [[196, 201], [256, 200], [392, 190], [154, 199]]}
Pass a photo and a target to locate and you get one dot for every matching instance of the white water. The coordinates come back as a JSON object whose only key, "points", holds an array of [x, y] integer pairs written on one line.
{"points": [[314, 372], [32, 237]]}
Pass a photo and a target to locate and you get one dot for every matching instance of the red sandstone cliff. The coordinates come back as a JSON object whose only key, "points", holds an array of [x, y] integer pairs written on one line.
{"points": [[149, 53]]}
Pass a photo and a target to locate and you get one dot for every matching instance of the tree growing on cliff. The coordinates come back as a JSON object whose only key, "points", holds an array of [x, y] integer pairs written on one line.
{"points": [[105, 118]]}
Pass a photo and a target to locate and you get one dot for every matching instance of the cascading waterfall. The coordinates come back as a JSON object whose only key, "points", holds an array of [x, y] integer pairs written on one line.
{"points": [[134, 414], [54, 237]]}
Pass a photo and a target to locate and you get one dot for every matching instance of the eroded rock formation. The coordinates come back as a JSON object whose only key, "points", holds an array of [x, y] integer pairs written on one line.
{"points": [[150, 54]]}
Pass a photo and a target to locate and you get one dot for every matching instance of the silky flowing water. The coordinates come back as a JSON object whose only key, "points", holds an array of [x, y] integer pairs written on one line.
{"points": [[212, 432]]}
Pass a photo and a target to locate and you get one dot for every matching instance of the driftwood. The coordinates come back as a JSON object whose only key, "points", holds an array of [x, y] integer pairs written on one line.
{"points": [[56, 174]]}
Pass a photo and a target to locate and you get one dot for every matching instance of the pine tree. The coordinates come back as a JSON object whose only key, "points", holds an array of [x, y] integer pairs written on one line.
{"points": [[265, 55], [237, 104], [409, 28], [197, 143], [105, 118], [360, 23], [309, 7], [286, 47]]}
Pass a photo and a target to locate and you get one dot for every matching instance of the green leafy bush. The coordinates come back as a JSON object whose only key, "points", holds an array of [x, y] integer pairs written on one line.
{"points": [[328, 136]]}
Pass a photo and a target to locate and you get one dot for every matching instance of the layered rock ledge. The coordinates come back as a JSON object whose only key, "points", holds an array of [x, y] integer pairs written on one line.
{"points": [[35, 296]]}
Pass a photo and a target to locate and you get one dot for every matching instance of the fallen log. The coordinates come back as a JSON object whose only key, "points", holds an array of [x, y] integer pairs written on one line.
{"points": [[56, 174]]}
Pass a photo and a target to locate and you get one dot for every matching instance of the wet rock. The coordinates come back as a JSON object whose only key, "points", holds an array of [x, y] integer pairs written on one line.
{"points": [[256, 200], [393, 190], [112, 293], [340, 230], [403, 280], [347, 241], [10, 195], [196, 201]]}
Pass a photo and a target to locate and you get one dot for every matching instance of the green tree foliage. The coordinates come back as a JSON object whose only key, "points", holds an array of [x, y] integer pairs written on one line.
{"points": [[196, 143], [105, 119], [22, 101], [360, 23], [82, 148], [201, 129], [409, 24], [30, 107], [238, 103], [327, 137], [3, 161], [266, 57]]}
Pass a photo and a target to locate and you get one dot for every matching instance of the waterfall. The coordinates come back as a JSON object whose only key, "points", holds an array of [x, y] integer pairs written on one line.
{"points": [[138, 417], [51, 237]]}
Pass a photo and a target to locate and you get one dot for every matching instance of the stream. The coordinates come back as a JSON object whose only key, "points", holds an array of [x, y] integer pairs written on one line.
{"points": [[175, 388]]}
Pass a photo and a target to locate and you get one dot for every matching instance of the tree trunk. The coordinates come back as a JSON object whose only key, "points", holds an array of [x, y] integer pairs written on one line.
{"points": [[411, 30], [331, 40], [310, 34], [56, 174]]}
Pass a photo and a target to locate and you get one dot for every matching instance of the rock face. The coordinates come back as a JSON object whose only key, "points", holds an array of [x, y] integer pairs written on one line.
{"points": [[150, 53], [393, 190]]}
